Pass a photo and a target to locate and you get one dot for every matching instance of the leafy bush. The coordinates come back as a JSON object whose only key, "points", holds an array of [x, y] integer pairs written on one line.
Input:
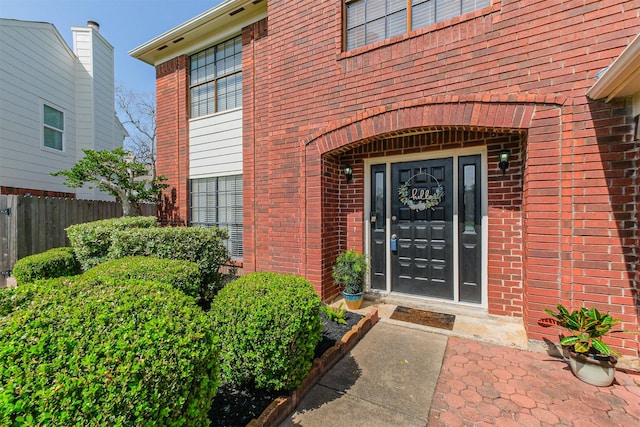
{"points": [[335, 314], [91, 241], [90, 352], [204, 246], [53, 263], [183, 275], [269, 326]]}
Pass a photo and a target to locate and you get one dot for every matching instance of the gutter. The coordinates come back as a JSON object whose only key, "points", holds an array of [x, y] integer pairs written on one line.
{"points": [[620, 75]]}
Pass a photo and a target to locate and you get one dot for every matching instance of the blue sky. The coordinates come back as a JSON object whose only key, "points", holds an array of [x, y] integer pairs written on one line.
{"points": [[125, 24]]}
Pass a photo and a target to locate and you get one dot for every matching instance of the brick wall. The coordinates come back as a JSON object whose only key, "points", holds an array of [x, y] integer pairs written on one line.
{"points": [[172, 138], [326, 99], [568, 235]]}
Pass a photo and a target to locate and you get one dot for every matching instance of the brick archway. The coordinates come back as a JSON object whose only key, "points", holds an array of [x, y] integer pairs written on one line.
{"points": [[537, 116], [475, 112]]}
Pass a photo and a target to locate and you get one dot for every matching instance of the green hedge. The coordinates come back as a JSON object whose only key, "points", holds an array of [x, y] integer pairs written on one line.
{"points": [[95, 353], [50, 264], [269, 326], [91, 241], [182, 275], [204, 246]]}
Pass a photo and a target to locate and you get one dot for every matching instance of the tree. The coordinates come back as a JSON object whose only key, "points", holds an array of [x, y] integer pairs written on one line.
{"points": [[137, 112], [117, 173]]}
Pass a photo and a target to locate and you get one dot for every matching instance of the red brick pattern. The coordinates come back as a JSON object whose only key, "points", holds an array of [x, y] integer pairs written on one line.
{"points": [[172, 122], [562, 223], [484, 384]]}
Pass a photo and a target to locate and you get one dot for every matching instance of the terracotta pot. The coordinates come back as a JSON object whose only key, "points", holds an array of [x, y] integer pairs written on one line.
{"points": [[354, 301], [595, 370]]}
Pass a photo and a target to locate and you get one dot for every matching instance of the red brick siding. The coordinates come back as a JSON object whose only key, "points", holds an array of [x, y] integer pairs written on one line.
{"points": [[172, 122], [512, 68]]}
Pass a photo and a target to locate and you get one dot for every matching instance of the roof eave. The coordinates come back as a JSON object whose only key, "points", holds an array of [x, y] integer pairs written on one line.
{"points": [[621, 77], [145, 52]]}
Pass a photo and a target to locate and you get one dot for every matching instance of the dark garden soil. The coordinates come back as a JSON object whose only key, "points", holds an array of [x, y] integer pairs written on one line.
{"points": [[237, 406]]}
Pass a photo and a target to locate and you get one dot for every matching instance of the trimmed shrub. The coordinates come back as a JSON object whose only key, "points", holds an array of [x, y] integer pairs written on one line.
{"points": [[269, 325], [182, 275], [50, 264], [91, 241], [93, 352], [204, 246]]}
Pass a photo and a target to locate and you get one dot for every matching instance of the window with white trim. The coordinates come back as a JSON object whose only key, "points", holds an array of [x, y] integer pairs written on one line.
{"points": [[53, 125], [369, 21], [217, 202], [215, 78]]}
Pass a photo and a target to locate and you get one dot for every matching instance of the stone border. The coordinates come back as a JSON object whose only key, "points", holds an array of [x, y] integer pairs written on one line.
{"points": [[281, 407]]}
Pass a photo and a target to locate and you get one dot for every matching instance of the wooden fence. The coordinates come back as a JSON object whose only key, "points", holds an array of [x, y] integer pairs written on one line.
{"points": [[30, 225]]}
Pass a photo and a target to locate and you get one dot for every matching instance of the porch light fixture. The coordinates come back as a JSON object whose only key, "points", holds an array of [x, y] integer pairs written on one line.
{"points": [[348, 173], [503, 164]]}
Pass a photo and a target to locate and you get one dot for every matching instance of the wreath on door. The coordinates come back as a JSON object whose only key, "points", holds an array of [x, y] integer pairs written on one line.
{"points": [[420, 199]]}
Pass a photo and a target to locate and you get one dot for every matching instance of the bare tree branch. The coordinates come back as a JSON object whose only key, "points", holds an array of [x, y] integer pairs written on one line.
{"points": [[137, 112]]}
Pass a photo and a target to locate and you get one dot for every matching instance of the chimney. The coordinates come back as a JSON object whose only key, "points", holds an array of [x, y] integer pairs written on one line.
{"points": [[94, 25]]}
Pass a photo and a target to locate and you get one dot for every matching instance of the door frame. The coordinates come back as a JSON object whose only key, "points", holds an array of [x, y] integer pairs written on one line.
{"points": [[455, 153]]}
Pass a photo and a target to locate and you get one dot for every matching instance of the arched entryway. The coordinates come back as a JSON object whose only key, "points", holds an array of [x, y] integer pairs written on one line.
{"points": [[472, 128]]}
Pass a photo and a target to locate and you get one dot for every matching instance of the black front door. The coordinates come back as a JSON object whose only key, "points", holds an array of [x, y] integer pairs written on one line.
{"points": [[422, 235]]}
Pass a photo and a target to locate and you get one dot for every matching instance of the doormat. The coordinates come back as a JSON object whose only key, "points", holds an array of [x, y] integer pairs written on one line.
{"points": [[423, 317]]}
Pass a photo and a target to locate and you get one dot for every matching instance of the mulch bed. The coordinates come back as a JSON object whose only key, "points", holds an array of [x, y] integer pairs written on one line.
{"points": [[238, 406]]}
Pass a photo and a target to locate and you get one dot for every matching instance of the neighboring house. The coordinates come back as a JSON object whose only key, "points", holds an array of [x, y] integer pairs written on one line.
{"points": [[54, 102], [262, 106]]}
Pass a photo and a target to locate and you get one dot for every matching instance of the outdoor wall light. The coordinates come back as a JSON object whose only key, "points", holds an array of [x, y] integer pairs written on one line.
{"points": [[503, 164], [348, 173]]}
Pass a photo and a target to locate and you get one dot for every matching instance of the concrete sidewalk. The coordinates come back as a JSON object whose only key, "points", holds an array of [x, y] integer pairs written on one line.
{"points": [[402, 374], [389, 378]]}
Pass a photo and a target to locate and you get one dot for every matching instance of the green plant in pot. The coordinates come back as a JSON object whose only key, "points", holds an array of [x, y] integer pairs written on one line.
{"points": [[591, 359], [349, 273]]}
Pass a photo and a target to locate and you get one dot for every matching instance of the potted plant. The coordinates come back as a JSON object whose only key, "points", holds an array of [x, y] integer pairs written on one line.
{"points": [[349, 272], [591, 360]]}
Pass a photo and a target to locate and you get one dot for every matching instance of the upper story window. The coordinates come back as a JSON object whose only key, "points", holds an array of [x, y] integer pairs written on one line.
{"points": [[53, 128], [369, 21], [215, 78]]}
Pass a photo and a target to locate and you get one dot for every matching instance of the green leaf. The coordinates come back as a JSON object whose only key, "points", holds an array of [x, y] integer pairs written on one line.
{"points": [[581, 347], [601, 347]]}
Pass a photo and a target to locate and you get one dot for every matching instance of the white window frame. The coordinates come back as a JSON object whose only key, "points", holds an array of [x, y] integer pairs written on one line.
{"points": [[46, 125]]}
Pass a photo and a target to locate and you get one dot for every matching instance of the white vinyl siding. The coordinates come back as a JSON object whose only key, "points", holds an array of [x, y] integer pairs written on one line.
{"points": [[369, 21], [215, 145], [39, 69], [41, 75]]}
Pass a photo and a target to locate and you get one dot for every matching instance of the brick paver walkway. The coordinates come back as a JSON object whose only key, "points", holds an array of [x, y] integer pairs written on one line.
{"points": [[487, 385]]}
